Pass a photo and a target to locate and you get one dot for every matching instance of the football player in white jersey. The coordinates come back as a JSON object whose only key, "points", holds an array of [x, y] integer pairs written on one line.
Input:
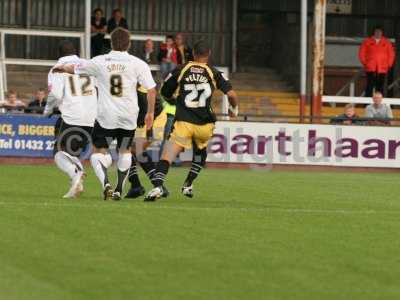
{"points": [[118, 73], [76, 98]]}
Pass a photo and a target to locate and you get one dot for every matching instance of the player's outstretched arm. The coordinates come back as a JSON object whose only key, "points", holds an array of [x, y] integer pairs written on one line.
{"points": [[151, 100], [66, 68], [225, 86], [51, 104], [233, 103], [170, 85]]}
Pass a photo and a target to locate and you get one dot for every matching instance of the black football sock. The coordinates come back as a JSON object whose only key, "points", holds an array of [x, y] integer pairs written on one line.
{"points": [[148, 165], [106, 180], [133, 176], [161, 173], [198, 162], [193, 173]]}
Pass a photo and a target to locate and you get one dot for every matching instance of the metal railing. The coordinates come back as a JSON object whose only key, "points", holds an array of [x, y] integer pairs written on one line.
{"points": [[351, 84], [4, 61], [281, 119], [352, 98], [144, 37], [357, 100], [362, 121], [395, 83]]}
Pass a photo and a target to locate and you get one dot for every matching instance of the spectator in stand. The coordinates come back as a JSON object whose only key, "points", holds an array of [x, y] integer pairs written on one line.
{"points": [[349, 117], [117, 20], [378, 113], [168, 57], [98, 29], [147, 53], [12, 104], [377, 55], [38, 102], [184, 53]]}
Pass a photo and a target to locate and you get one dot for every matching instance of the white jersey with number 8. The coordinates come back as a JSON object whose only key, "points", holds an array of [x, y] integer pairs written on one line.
{"points": [[118, 74], [76, 94]]}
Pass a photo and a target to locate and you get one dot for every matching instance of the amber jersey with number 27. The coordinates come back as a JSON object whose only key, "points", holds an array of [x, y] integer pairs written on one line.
{"points": [[191, 87]]}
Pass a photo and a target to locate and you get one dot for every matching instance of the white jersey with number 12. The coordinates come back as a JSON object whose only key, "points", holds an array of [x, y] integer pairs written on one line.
{"points": [[76, 94]]}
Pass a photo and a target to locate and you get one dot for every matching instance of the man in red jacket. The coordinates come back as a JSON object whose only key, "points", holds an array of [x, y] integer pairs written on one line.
{"points": [[377, 56]]}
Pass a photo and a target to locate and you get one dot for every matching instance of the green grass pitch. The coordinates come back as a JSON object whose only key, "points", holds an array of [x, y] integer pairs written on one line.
{"points": [[246, 235]]}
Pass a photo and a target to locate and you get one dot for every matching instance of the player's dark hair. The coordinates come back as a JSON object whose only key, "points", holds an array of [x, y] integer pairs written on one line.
{"points": [[120, 39], [170, 37], [66, 48], [201, 49]]}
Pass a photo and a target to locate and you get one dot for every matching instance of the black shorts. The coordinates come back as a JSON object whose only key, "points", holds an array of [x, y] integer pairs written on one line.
{"points": [[102, 137], [72, 139]]}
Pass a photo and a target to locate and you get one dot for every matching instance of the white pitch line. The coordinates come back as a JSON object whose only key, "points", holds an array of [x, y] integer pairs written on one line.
{"points": [[174, 207]]}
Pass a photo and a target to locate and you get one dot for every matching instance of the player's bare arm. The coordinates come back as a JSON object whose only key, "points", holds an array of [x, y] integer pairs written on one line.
{"points": [[66, 68], [170, 85], [151, 100], [233, 103]]}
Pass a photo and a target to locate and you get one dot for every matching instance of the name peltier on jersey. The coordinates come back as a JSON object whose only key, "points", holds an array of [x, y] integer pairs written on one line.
{"points": [[196, 75]]}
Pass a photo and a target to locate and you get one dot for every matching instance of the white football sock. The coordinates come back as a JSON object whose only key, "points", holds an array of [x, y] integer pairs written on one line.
{"points": [[124, 161], [100, 161], [65, 163], [123, 165], [77, 161]]}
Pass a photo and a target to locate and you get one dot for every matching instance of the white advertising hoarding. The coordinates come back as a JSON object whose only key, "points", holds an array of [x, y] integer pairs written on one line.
{"points": [[303, 144]]}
